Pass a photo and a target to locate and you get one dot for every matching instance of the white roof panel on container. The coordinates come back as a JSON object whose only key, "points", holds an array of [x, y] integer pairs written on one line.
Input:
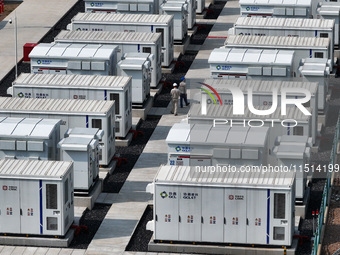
{"points": [[188, 175], [260, 86], [132, 64], [219, 54], [33, 169], [226, 111], [314, 66], [106, 18], [284, 57], [61, 106], [57, 50], [252, 56], [178, 133], [107, 37]]}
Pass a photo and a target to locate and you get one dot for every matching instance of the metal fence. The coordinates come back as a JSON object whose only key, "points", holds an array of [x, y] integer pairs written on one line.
{"points": [[326, 190]]}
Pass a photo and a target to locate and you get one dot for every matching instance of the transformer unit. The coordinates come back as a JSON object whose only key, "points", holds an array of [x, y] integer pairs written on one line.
{"points": [[225, 207], [317, 70], [163, 24], [293, 123], [262, 92], [73, 113], [84, 153], [251, 64], [180, 12], [122, 6], [127, 42], [294, 152], [139, 69], [285, 27], [90, 87], [282, 9], [36, 197], [60, 58], [303, 47], [206, 145], [28, 138]]}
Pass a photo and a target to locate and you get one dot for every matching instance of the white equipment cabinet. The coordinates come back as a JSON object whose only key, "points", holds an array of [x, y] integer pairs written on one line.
{"points": [[191, 11], [139, 69], [36, 197], [122, 6], [285, 27], [251, 64], [89, 87], [205, 145], [303, 47], [294, 152], [84, 153], [127, 42], [73, 113], [277, 9], [63, 58], [200, 6], [223, 207], [163, 24], [304, 126], [180, 12], [317, 70], [28, 138]]}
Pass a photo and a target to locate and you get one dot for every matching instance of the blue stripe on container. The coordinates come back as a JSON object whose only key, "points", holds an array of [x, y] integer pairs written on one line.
{"points": [[87, 121], [41, 207], [151, 28], [268, 214], [105, 94], [138, 47], [316, 33], [310, 53]]}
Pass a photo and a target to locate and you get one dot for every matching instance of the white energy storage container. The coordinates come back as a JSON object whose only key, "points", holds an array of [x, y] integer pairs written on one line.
{"points": [[36, 197], [251, 64], [127, 42], [122, 6], [163, 24], [73, 113], [223, 207], [180, 12], [206, 145], [293, 123], [294, 152], [200, 6], [28, 138], [317, 70], [191, 11], [139, 68], [63, 58], [303, 47], [285, 27], [277, 9], [89, 87]]}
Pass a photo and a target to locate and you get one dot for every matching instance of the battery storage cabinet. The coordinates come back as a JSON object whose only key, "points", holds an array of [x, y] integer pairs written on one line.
{"points": [[223, 207], [36, 197], [29, 138], [75, 86]]}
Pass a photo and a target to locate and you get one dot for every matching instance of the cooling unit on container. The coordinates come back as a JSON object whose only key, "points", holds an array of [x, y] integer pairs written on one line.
{"points": [[251, 64], [36, 197], [294, 153], [65, 58], [286, 27], [73, 113], [317, 70], [303, 47], [163, 24], [139, 68], [180, 12], [206, 145], [90, 87], [127, 42], [29, 138], [122, 6], [225, 207], [275, 9]]}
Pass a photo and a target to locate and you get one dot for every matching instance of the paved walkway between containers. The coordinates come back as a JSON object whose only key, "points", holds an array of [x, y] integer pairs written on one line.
{"points": [[35, 18]]}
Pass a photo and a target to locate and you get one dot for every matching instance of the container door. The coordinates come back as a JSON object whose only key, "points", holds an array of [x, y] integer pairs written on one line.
{"points": [[235, 216], [51, 208], [257, 217], [280, 217], [30, 211], [212, 214], [190, 214], [9, 207], [166, 212]]}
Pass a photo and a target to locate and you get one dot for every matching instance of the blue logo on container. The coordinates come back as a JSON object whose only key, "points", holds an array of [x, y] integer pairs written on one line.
{"points": [[92, 4], [39, 62], [178, 148], [218, 67]]}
